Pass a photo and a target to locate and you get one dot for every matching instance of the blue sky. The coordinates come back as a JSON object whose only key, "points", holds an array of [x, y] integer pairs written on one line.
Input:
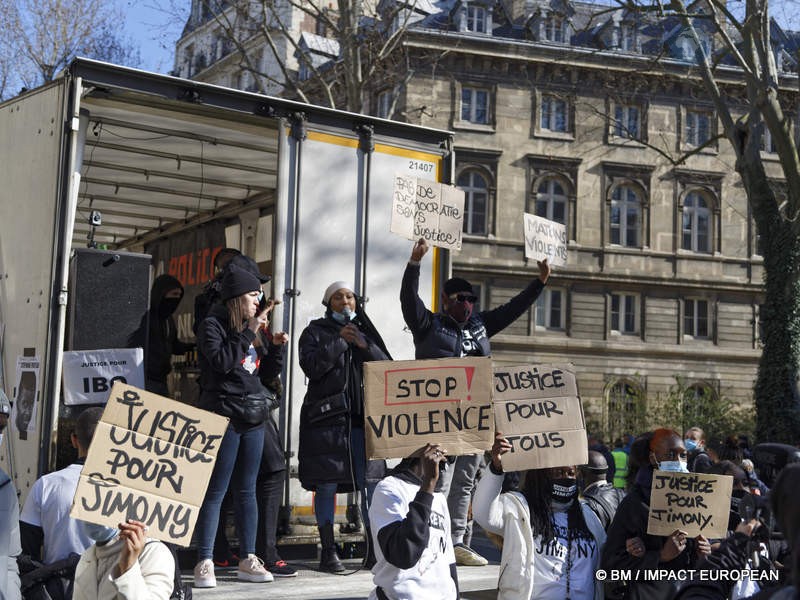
{"points": [[154, 27]]}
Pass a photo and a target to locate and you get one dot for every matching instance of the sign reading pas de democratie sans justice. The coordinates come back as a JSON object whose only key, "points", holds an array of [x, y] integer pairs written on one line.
{"points": [[150, 460], [410, 403], [538, 410], [696, 503]]}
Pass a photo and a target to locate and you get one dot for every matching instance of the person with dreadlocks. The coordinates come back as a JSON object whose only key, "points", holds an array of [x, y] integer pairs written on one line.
{"points": [[629, 546], [551, 539]]}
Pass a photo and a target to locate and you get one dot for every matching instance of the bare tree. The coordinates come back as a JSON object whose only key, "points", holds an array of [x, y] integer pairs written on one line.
{"points": [[45, 35], [751, 103]]}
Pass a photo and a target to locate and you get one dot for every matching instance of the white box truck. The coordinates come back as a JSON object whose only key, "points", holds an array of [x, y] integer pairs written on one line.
{"points": [[134, 162]]}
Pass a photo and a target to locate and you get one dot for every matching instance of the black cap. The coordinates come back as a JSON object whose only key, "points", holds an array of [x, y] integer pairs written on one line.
{"points": [[248, 264], [456, 284], [236, 282]]}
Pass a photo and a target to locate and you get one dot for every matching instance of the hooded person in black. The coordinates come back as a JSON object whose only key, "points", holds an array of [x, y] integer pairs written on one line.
{"points": [[158, 333]]}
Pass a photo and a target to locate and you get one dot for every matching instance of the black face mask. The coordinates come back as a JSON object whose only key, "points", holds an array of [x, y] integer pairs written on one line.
{"points": [[564, 489], [167, 306]]}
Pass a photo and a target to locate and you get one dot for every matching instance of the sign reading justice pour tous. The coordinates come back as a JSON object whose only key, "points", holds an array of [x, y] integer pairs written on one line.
{"points": [[150, 460], [538, 410], [413, 402]]}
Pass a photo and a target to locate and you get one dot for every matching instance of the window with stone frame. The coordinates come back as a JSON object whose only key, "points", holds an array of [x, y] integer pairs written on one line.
{"points": [[698, 127], [625, 217], [477, 18], [556, 29], [624, 314], [552, 200], [696, 223], [554, 114], [697, 318], [625, 406], [475, 185], [552, 189], [627, 121], [628, 37], [475, 105], [551, 309]]}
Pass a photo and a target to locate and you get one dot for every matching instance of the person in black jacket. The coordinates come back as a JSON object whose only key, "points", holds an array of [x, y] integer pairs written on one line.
{"points": [[602, 497], [629, 546], [158, 335], [454, 332], [332, 454], [233, 359]]}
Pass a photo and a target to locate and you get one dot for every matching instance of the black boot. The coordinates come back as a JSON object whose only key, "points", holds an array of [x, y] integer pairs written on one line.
{"points": [[329, 560]]}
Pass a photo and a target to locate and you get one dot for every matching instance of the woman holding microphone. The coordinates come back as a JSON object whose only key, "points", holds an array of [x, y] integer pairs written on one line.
{"points": [[231, 357]]}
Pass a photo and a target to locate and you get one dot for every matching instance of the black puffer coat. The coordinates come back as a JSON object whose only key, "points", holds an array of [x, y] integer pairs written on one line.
{"points": [[330, 363]]}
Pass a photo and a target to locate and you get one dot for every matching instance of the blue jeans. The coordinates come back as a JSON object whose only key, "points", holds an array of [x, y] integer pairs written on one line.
{"points": [[237, 465], [325, 497]]}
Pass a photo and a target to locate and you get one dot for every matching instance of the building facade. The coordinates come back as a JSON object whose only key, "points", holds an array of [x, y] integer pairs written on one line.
{"points": [[595, 119]]}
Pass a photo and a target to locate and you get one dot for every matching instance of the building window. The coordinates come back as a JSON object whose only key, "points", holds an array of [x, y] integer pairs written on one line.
{"points": [[696, 229], [627, 122], [624, 314], [555, 30], [625, 217], [551, 201], [696, 318], [698, 127], [476, 201], [475, 105], [767, 143], [627, 38], [554, 114], [476, 19], [550, 310], [625, 410], [384, 103]]}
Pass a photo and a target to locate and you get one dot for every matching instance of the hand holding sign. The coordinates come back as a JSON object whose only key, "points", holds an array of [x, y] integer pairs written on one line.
{"points": [[420, 249], [544, 270], [501, 446], [422, 208], [432, 456], [133, 539]]}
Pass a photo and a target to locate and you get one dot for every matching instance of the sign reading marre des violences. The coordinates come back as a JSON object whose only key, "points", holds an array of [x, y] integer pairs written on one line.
{"points": [[150, 460], [538, 410], [414, 402], [696, 503]]}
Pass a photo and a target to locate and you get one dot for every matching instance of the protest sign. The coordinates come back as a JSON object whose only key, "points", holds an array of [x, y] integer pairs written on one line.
{"points": [[426, 209], [413, 402], [696, 503], [89, 374], [150, 459], [538, 410], [545, 239]]}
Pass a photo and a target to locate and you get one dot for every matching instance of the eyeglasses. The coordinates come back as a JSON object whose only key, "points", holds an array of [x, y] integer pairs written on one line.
{"points": [[464, 298]]}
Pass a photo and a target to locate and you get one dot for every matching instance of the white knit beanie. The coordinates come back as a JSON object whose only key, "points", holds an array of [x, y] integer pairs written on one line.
{"points": [[335, 287]]}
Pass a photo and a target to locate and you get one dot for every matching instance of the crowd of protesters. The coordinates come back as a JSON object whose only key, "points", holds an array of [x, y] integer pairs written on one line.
{"points": [[556, 527]]}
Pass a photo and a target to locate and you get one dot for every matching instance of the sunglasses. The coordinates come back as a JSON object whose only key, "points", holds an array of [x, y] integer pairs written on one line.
{"points": [[465, 298]]}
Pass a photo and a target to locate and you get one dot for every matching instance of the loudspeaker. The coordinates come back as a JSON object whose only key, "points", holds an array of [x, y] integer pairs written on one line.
{"points": [[108, 294]]}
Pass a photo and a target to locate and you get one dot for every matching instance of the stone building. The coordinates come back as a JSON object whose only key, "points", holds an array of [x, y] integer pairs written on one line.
{"points": [[585, 116]]}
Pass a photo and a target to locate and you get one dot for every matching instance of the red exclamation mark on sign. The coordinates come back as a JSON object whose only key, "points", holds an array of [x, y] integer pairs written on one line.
{"points": [[470, 371]]}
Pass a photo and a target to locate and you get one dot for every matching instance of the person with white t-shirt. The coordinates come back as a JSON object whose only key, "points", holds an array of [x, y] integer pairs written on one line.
{"points": [[48, 533], [410, 526], [551, 539]]}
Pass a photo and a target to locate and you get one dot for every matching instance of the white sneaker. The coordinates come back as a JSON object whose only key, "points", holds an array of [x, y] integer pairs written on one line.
{"points": [[204, 574], [252, 569], [466, 556]]}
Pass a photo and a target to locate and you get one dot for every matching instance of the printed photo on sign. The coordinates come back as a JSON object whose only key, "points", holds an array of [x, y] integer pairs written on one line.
{"points": [[90, 374], [150, 459], [414, 402], [426, 209], [696, 503], [545, 239], [537, 409], [26, 401]]}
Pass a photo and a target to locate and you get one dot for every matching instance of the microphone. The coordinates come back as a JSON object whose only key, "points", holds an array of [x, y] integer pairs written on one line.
{"points": [[348, 313]]}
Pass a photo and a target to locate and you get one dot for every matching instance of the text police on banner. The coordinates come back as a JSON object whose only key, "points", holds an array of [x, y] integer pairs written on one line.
{"points": [[696, 503], [150, 460], [90, 374], [426, 209], [538, 410], [410, 403]]}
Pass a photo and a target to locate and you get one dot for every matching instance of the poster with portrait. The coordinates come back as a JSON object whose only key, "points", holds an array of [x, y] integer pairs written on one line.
{"points": [[26, 397]]}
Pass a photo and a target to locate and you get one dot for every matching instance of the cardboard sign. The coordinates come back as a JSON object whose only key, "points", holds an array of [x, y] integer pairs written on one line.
{"points": [[413, 402], [150, 460], [538, 410], [545, 239], [426, 209], [696, 503], [89, 374]]}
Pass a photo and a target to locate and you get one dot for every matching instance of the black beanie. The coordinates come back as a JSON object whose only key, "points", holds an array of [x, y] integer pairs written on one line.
{"points": [[236, 282], [455, 285], [248, 264]]}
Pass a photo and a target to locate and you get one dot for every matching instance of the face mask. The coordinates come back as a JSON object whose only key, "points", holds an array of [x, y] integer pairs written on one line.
{"points": [[460, 311], [690, 445], [564, 490], [674, 466], [99, 533], [167, 306], [343, 317]]}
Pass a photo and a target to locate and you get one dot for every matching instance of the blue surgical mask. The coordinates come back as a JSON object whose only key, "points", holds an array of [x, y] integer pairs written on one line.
{"points": [[343, 317], [674, 466], [99, 533], [690, 445]]}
